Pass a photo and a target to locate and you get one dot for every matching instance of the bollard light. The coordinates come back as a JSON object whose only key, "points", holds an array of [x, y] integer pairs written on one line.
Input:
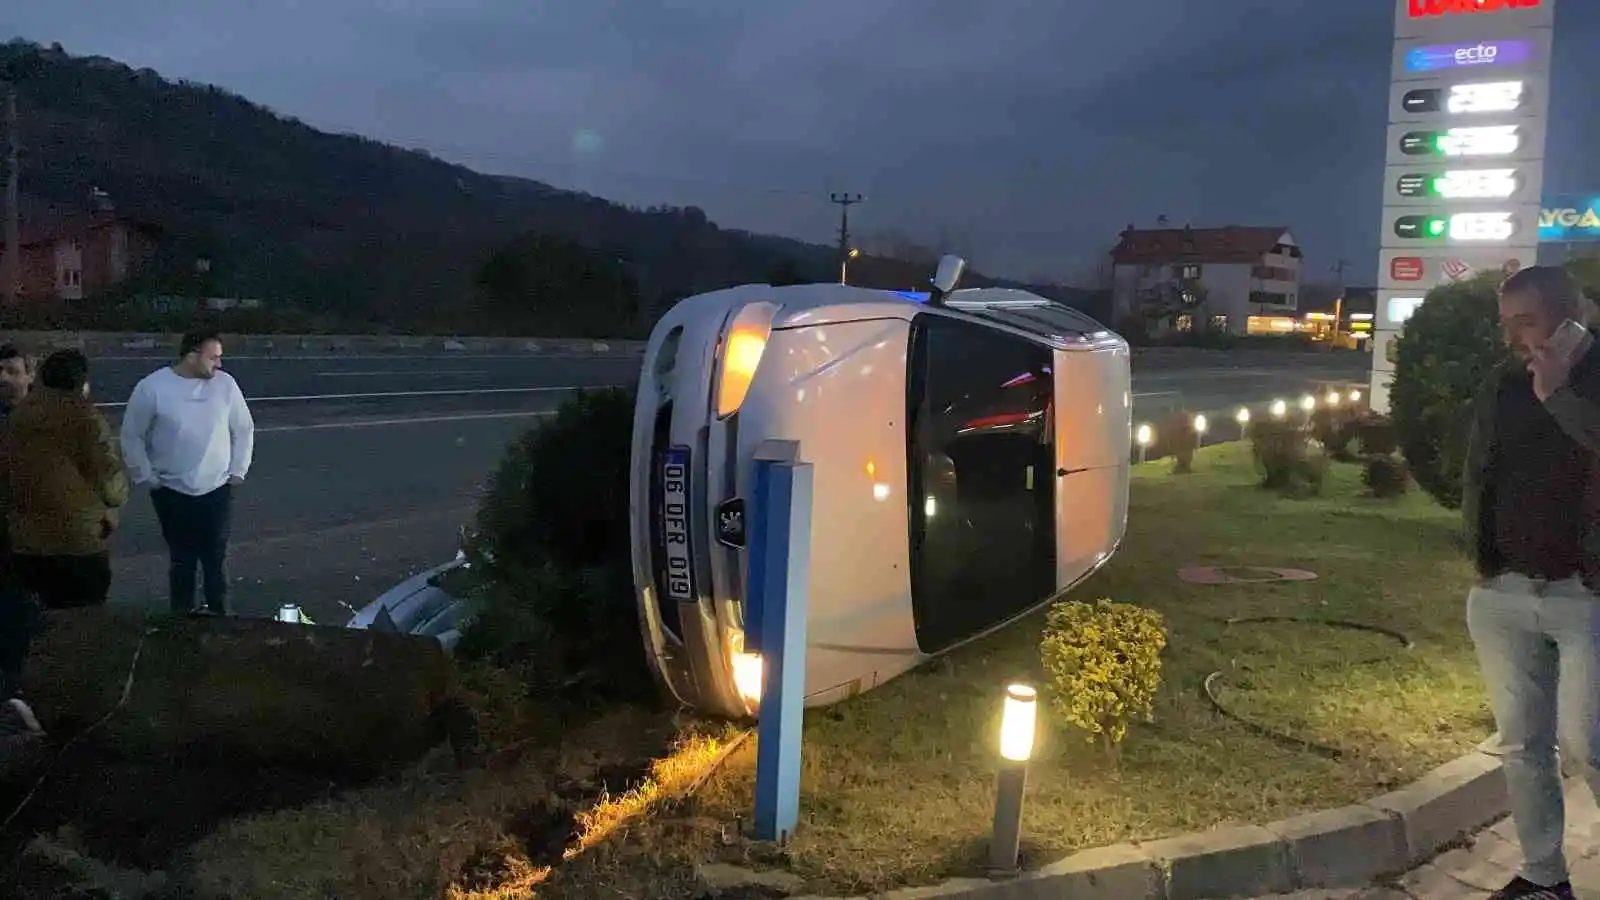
{"points": [[1242, 416], [1018, 720], [1200, 424], [1333, 398], [1308, 403], [1279, 409]]}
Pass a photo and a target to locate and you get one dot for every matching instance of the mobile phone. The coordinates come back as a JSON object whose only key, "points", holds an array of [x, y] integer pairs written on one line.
{"points": [[1567, 338]]}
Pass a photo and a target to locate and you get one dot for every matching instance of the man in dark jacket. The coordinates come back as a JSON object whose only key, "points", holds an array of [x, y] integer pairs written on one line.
{"points": [[64, 484], [1531, 500], [18, 609]]}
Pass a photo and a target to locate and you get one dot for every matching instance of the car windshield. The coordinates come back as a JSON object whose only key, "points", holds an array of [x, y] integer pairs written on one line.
{"points": [[981, 463]]}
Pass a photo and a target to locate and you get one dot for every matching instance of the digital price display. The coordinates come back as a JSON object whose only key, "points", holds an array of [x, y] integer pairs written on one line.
{"points": [[1402, 308], [1479, 140], [1464, 184], [1477, 227], [1466, 99]]}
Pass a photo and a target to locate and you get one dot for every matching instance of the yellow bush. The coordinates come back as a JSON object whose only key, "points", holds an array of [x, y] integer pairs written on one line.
{"points": [[1103, 660]]}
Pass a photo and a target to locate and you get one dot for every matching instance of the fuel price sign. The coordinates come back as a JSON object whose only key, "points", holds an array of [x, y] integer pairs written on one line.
{"points": [[1479, 140], [1467, 99], [1475, 227], [1460, 184]]}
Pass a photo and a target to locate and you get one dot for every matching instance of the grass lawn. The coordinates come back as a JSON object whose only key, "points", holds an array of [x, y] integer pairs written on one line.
{"points": [[898, 783]]}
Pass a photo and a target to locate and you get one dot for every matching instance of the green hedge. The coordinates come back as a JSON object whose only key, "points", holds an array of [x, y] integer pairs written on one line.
{"points": [[550, 547]]}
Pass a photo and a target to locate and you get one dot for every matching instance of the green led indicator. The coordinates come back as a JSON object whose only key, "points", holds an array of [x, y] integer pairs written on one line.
{"points": [[1435, 186], [1436, 227]]}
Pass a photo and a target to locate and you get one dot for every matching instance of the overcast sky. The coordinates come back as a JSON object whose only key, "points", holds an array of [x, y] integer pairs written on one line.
{"points": [[1028, 132]]}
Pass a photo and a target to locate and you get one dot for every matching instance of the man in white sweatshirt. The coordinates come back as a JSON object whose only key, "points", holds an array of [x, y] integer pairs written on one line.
{"points": [[187, 435]]}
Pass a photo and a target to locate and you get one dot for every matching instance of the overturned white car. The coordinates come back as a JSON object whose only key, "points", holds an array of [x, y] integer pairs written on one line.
{"points": [[970, 453]]}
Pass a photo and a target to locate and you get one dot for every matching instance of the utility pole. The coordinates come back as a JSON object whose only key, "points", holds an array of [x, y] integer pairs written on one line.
{"points": [[1338, 302], [12, 276], [845, 201]]}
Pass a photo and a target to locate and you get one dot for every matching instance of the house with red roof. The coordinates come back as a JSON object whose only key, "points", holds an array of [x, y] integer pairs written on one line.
{"points": [[73, 257], [1235, 276]]}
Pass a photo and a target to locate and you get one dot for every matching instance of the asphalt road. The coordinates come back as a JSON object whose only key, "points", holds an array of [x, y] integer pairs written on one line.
{"points": [[366, 467]]}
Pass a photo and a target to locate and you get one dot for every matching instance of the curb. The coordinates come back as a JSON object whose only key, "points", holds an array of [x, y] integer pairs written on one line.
{"points": [[1347, 847]]}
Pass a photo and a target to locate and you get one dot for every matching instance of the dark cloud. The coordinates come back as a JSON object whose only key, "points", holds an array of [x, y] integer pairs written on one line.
{"points": [[1032, 130]]}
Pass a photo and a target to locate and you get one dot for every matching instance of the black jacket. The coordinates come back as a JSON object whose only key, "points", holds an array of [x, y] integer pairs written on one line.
{"points": [[1575, 407]]}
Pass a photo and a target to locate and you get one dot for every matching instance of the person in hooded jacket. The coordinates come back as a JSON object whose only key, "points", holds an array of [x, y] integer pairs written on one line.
{"points": [[64, 484], [18, 609]]}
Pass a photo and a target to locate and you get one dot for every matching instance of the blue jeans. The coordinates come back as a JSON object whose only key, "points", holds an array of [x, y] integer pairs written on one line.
{"points": [[1539, 646]]}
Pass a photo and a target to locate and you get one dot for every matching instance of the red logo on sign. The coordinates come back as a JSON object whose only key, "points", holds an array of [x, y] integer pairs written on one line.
{"points": [[1421, 9], [1406, 268]]}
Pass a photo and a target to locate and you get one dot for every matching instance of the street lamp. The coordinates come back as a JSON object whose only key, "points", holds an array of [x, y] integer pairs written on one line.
{"points": [[1279, 409], [1018, 721], [844, 264], [1308, 403], [1144, 437], [1333, 398], [1242, 416], [1200, 426]]}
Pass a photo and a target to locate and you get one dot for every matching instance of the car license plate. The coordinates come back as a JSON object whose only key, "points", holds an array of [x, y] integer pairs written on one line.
{"points": [[679, 575]]}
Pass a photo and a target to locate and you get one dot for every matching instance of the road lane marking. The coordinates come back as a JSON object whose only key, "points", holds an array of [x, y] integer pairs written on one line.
{"points": [[420, 420], [398, 395], [401, 373], [463, 514]]}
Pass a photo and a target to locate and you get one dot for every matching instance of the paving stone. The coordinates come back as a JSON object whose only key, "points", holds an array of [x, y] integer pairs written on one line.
{"points": [[1432, 883], [1487, 845], [1351, 845], [1586, 879], [1474, 868], [1455, 799], [1227, 862]]}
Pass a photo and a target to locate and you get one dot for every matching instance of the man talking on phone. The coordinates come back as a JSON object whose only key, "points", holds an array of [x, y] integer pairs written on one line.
{"points": [[1531, 500]]}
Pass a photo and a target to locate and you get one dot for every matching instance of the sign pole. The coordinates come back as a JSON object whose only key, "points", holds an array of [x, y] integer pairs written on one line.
{"points": [[781, 537]]}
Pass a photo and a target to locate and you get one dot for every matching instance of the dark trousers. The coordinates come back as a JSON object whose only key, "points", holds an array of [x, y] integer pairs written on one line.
{"points": [[19, 619], [65, 582], [196, 532]]}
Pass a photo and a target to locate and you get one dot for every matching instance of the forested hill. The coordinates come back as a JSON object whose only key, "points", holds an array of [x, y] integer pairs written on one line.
{"points": [[361, 230]]}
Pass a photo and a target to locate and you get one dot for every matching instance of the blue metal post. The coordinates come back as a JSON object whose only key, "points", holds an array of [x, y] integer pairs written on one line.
{"points": [[785, 584]]}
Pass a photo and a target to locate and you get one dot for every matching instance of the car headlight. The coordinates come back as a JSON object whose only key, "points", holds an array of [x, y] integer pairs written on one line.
{"points": [[742, 349]]}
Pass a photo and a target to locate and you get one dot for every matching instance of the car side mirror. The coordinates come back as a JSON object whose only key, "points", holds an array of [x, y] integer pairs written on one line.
{"points": [[947, 276]]}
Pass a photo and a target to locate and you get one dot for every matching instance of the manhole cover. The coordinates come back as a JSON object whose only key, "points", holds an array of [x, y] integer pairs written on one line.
{"points": [[1242, 574]]}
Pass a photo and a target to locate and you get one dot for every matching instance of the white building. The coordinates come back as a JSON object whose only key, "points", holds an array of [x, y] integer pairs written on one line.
{"points": [[1247, 278]]}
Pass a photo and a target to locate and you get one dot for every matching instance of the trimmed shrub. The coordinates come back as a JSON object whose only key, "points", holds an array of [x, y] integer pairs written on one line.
{"points": [[1185, 441], [1103, 661], [1334, 427], [1375, 435], [1290, 461], [1449, 349], [1386, 476], [550, 547]]}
